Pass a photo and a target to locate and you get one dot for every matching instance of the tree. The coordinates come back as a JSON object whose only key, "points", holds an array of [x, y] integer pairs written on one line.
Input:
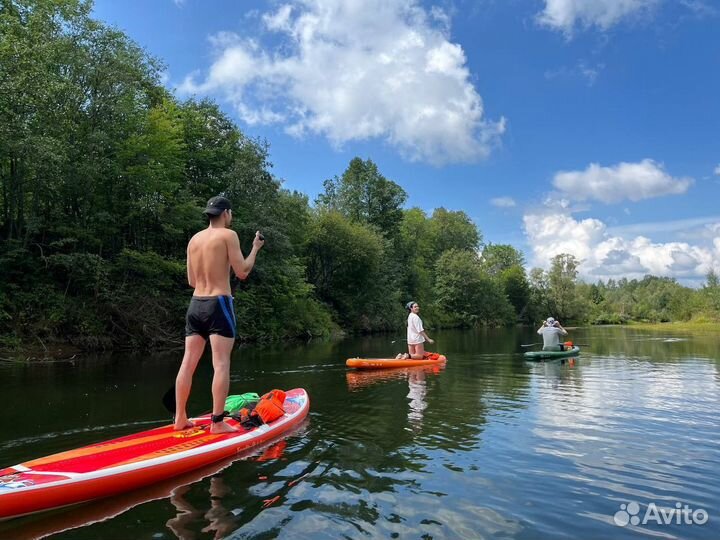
{"points": [[344, 264], [539, 306], [466, 295], [517, 289], [711, 291], [364, 195], [496, 258], [453, 230], [562, 278]]}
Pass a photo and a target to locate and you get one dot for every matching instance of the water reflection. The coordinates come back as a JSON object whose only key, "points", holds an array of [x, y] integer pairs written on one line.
{"points": [[558, 372], [220, 521], [358, 379], [416, 395]]}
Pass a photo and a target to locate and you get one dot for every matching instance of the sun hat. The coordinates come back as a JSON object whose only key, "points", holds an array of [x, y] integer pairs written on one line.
{"points": [[550, 321]]}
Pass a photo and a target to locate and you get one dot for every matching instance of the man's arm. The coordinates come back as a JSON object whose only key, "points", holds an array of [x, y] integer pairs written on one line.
{"points": [[564, 332], [190, 274], [242, 265]]}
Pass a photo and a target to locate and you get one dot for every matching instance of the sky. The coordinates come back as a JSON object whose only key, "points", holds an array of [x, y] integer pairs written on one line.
{"points": [[589, 127]]}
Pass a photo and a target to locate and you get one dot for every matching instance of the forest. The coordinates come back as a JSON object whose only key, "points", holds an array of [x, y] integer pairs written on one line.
{"points": [[104, 174]]}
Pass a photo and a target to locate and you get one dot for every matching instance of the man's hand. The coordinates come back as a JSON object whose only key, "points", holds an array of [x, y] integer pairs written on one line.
{"points": [[431, 341], [258, 241]]}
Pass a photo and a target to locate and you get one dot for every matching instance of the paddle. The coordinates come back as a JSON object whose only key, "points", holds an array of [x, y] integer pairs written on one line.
{"points": [[574, 344], [168, 400]]}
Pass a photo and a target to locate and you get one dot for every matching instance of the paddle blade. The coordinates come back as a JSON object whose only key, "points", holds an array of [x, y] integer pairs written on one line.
{"points": [[168, 400]]}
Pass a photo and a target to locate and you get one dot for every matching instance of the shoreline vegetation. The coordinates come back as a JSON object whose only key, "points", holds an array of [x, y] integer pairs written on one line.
{"points": [[693, 326], [103, 177]]}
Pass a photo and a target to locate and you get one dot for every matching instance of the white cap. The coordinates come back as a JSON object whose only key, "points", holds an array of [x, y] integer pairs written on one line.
{"points": [[550, 320]]}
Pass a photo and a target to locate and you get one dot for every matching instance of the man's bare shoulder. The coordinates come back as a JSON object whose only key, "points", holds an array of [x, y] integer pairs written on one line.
{"points": [[230, 235], [213, 233], [197, 237]]}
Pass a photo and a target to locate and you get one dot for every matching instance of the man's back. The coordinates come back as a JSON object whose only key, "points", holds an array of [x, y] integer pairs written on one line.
{"points": [[551, 337], [208, 262]]}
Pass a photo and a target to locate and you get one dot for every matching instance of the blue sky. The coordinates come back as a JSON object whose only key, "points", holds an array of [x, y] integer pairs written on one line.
{"points": [[581, 126]]}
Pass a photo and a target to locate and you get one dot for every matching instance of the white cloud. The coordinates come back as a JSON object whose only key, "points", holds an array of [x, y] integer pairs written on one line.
{"points": [[696, 226], [582, 70], [606, 254], [356, 70], [566, 15], [503, 202], [717, 170], [700, 8], [632, 181]]}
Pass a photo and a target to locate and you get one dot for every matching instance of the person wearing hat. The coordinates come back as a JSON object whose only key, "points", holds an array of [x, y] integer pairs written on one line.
{"points": [[551, 330], [211, 317], [416, 336]]}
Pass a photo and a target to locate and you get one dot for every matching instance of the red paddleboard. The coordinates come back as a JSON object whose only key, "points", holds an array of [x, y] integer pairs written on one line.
{"points": [[430, 359], [120, 465]]}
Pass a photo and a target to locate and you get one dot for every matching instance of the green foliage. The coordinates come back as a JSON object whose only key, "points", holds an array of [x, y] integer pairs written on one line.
{"points": [[517, 289], [562, 292], [363, 195], [468, 296], [504, 264], [279, 305], [710, 293], [104, 174], [453, 230], [345, 267], [497, 258]]}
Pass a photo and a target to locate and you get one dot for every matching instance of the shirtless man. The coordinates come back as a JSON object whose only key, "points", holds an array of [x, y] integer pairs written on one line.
{"points": [[210, 255]]}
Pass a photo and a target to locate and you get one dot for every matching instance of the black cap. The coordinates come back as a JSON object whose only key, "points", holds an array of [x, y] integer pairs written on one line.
{"points": [[217, 205]]}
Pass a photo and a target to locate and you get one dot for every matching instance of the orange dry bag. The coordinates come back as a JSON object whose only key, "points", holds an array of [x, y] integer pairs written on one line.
{"points": [[270, 406]]}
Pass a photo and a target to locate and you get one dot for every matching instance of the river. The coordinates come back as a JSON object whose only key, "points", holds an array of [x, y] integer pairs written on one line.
{"points": [[605, 445]]}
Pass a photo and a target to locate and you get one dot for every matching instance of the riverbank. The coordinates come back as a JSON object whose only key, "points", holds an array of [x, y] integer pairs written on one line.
{"points": [[703, 326], [52, 352]]}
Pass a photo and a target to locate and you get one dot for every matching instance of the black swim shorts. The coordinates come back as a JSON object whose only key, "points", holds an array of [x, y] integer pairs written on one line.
{"points": [[209, 315]]}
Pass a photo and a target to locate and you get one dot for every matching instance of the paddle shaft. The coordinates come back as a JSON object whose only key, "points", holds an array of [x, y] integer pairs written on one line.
{"points": [[533, 344], [168, 400]]}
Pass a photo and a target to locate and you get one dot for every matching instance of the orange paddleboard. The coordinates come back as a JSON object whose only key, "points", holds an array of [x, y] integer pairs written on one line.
{"points": [[430, 359], [130, 462]]}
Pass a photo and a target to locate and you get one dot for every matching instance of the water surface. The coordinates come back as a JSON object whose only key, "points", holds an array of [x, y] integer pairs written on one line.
{"points": [[491, 446]]}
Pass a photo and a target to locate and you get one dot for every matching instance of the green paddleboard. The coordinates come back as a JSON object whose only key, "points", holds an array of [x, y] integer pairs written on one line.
{"points": [[547, 355]]}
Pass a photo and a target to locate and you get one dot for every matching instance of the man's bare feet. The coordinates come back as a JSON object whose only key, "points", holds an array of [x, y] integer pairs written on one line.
{"points": [[181, 424], [222, 427]]}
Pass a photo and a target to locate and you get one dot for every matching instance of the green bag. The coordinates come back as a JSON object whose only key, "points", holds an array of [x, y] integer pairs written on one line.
{"points": [[234, 403]]}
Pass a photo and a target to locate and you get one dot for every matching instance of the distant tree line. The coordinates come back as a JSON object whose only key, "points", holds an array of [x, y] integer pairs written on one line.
{"points": [[103, 176]]}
